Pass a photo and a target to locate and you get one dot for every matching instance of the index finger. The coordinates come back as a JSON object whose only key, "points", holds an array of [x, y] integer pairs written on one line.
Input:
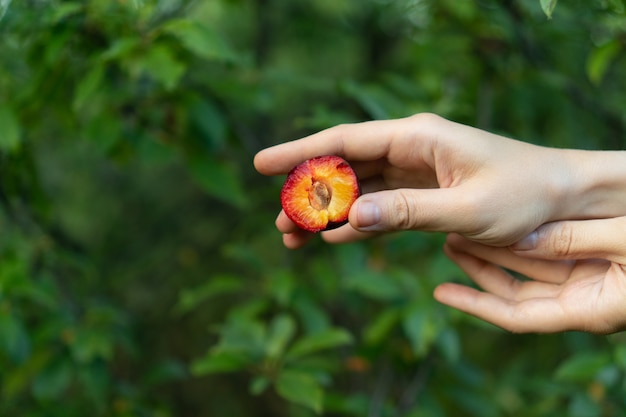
{"points": [[366, 141]]}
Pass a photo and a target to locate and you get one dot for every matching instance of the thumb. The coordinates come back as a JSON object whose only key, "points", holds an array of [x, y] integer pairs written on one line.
{"points": [[581, 239], [408, 209]]}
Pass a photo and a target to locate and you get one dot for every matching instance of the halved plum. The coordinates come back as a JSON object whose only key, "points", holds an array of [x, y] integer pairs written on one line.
{"points": [[318, 193]]}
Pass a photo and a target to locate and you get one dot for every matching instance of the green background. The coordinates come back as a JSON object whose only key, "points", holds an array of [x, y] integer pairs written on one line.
{"points": [[140, 270]]}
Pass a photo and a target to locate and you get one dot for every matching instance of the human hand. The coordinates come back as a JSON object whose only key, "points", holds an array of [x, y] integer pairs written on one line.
{"points": [[576, 271], [427, 173]]}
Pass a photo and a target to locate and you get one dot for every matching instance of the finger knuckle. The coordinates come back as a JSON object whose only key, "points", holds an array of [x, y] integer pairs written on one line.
{"points": [[427, 119], [561, 242], [402, 211], [340, 134]]}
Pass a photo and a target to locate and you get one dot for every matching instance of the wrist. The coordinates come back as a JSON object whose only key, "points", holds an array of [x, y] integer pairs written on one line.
{"points": [[596, 185]]}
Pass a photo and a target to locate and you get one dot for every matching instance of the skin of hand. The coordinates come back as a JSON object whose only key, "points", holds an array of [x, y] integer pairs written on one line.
{"points": [[576, 271], [427, 173]]}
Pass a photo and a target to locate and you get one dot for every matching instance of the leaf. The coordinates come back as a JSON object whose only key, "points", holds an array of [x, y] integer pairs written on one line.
{"points": [[56, 46], [582, 367], [4, 6], [281, 286], [52, 382], [92, 344], [219, 178], [104, 131], [600, 59], [215, 286], [620, 356], [369, 100], [374, 285], [259, 384], [160, 64], [327, 339], [63, 10], [209, 120], [200, 39], [220, 362], [312, 317], [300, 388], [166, 371], [244, 254], [120, 48], [14, 338], [10, 132], [381, 326], [87, 87], [582, 405], [14, 383], [421, 329], [449, 345], [249, 310], [280, 332], [548, 7], [241, 334]]}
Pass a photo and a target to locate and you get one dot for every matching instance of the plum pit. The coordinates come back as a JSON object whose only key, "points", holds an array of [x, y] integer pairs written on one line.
{"points": [[320, 195]]}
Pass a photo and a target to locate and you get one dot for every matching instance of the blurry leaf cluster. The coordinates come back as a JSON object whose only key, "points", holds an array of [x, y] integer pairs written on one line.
{"points": [[140, 271]]}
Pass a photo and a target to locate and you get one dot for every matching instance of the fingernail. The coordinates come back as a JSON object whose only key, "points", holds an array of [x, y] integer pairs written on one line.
{"points": [[368, 215], [527, 243]]}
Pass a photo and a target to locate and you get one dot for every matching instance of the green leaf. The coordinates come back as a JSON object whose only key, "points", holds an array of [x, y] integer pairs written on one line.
{"points": [[56, 47], [421, 329], [15, 382], [219, 178], [449, 345], [244, 335], [381, 326], [215, 286], [548, 7], [582, 405], [160, 64], [582, 367], [104, 131], [312, 317], [281, 286], [87, 87], [51, 383], [280, 332], [14, 339], [63, 10], [200, 39], [600, 59], [300, 388], [92, 344], [4, 6], [313, 343], [249, 310], [620, 356], [10, 132], [209, 121], [369, 98], [120, 48], [259, 384], [374, 285], [220, 362]]}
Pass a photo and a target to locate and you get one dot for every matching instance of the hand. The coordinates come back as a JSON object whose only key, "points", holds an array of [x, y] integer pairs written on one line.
{"points": [[577, 272], [427, 173]]}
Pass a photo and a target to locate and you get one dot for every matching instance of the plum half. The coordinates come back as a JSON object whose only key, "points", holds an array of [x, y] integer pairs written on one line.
{"points": [[318, 193]]}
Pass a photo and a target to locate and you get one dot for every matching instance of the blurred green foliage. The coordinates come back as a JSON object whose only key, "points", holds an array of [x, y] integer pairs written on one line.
{"points": [[140, 272]]}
